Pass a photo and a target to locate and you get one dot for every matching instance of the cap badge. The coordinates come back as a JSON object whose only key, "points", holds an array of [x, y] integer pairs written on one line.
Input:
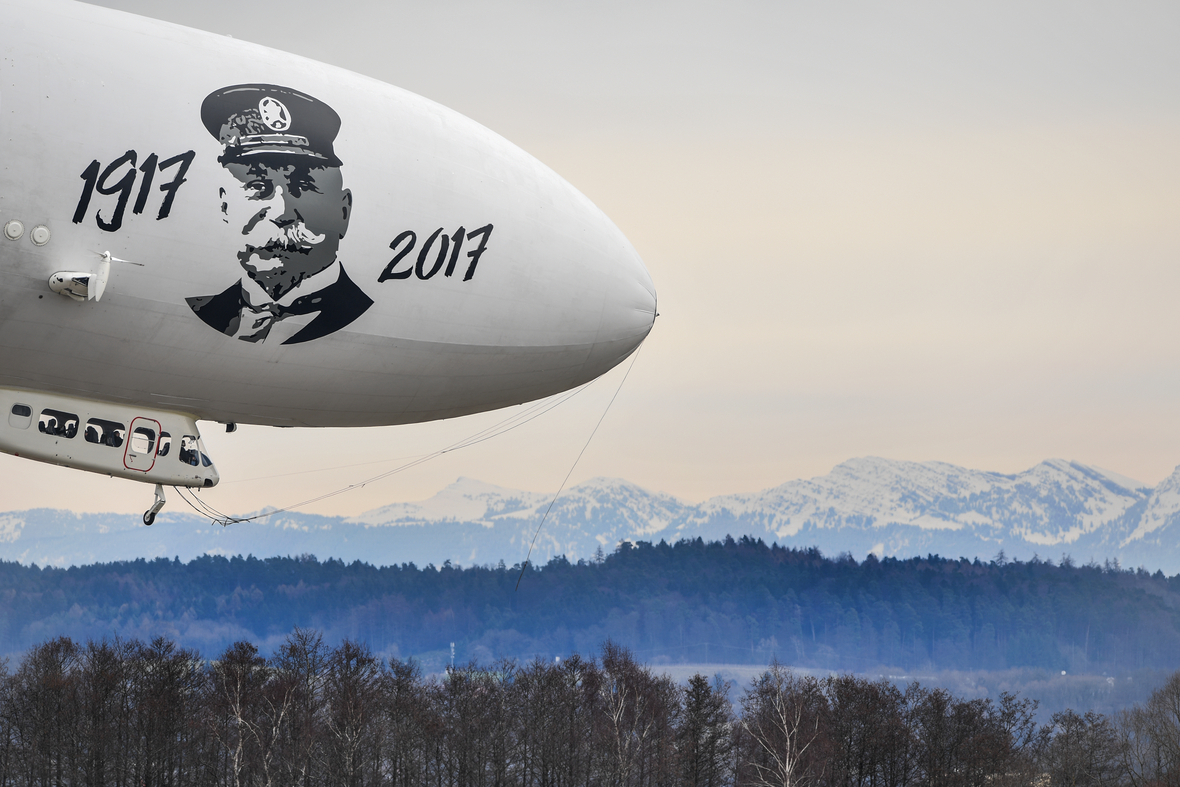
{"points": [[274, 114]]}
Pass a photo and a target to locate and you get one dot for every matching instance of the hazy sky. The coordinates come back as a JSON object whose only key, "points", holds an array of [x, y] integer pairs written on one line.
{"points": [[912, 230]]}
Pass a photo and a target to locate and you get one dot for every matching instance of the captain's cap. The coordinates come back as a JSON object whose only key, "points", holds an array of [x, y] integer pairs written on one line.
{"points": [[254, 121]]}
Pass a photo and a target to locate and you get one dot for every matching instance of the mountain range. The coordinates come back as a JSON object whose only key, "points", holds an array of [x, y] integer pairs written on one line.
{"points": [[887, 507]]}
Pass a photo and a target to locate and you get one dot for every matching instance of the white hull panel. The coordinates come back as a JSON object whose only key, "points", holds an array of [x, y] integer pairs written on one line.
{"points": [[556, 295]]}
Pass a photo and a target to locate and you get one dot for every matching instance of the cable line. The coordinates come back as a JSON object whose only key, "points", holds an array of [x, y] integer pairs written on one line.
{"points": [[575, 464], [504, 426]]}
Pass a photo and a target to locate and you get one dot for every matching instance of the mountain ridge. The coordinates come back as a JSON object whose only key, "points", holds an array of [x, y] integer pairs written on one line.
{"points": [[891, 508]]}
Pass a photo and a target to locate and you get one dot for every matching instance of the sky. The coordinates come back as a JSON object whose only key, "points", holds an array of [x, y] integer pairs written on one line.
{"points": [[916, 230]]}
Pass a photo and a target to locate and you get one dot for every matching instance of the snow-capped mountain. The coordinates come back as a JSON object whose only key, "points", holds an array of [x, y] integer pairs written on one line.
{"points": [[884, 506], [602, 509], [598, 513], [466, 500], [907, 508]]}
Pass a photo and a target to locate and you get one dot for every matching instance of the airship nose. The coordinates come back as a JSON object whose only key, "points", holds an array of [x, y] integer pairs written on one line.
{"points": [[642, 301], [631, 311]]}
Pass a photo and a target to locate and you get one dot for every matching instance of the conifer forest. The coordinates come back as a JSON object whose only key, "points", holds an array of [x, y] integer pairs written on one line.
{"points": [[734, 602]]}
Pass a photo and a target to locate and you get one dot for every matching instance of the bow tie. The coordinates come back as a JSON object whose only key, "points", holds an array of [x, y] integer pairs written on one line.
{"points": [[255, 322]]}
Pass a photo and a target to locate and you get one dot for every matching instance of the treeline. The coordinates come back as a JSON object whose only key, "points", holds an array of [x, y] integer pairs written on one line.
{"points": [[733, 601], [128, 713]]}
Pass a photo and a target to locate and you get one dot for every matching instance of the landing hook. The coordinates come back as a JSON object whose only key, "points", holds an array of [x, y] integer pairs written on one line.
{"points": [[149, 516]]}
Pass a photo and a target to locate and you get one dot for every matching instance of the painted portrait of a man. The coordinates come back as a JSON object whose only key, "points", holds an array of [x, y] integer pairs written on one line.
{"points": [[283, 189]]}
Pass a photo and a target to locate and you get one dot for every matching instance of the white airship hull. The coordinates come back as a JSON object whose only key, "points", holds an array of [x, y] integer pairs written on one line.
{"points": [[490, 281]]}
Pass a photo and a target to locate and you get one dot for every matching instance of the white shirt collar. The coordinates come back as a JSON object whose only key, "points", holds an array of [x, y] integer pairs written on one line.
{"points": [[258, 298]]}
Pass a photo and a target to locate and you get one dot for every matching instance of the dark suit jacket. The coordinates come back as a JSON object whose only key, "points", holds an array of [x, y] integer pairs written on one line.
{"points": [[338, 304]]}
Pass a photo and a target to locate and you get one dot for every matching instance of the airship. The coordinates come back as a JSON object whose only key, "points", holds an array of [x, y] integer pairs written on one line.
{"points": [[196, 228]]}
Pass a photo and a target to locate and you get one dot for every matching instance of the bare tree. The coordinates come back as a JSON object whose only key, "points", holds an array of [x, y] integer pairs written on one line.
{"points": [[352, 699], [1085, 751], [44, 712], [166, 686], [406, 720], [782, 717], [473, 703], [300, 666], [869, 732], [7, 728], [1151, 738], [237, 686], [536, 704], [103, 686], [129, 714], [637, 716]]}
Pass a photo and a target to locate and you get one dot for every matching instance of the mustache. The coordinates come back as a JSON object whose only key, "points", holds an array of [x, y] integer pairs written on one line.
{"points": [[292, 238]]}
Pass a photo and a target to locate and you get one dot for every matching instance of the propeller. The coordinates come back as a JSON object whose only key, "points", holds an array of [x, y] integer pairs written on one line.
{"points": [[106, 257]]}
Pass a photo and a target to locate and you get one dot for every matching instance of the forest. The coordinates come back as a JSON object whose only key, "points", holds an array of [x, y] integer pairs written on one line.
{"points": [[130, 713], [737, 601]]}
